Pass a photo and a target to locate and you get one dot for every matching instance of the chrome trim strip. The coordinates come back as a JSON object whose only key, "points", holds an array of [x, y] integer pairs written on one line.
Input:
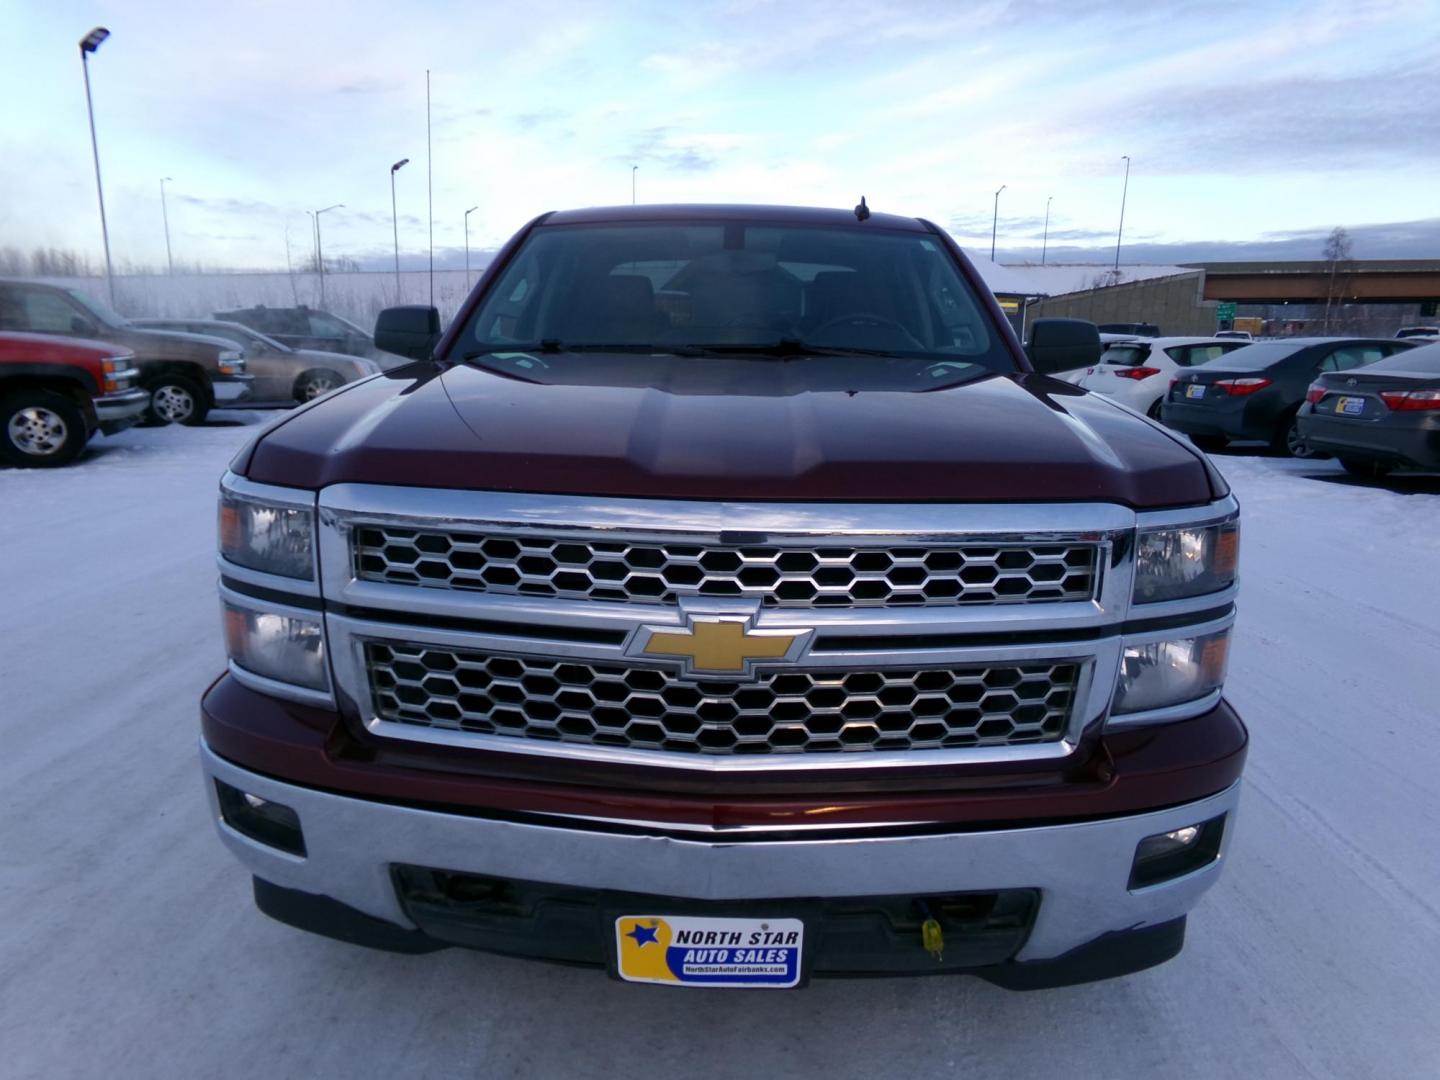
{"points": [[275, 688], [262, 580], [1214, 513]]}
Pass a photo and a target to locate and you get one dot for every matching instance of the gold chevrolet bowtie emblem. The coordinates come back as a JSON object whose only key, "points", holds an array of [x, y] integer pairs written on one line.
{"points": [[722, 646]]}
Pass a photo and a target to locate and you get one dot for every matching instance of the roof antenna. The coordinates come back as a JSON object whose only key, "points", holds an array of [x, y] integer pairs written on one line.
{"points": [[862, 211]]}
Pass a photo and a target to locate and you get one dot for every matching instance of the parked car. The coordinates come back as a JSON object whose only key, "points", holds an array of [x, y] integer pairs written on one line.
{"points": [[1418, 332], [1138, 372], [283, 376], [186, 375], [1237, 335], [1384, 416], [56, 392], [305, 328], [1134, 329], [1256, 391], [726, 599]]}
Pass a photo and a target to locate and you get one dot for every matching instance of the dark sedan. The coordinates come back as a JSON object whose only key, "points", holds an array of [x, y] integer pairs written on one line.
{"points": [[1256, 392], [1383, 417]]}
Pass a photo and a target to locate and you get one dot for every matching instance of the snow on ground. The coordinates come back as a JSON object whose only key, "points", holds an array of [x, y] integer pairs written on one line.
{"points": [[129, 947]]}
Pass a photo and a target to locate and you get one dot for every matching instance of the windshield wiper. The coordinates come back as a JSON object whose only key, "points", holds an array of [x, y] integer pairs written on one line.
{"points": [[555, 345], [788, 348]]}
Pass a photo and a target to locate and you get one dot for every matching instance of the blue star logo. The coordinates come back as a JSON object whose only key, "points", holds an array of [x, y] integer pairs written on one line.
{"points": [[645, 935]]}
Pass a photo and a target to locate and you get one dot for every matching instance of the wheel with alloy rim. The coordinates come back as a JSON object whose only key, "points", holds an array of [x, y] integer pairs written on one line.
{"points": [[40, 429], [314, 384], [1154, 411], [1290, 442], [175, 399]]}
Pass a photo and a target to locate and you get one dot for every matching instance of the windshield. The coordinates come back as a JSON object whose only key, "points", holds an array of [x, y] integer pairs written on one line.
{"points": [[1425, 359], [96, 308], [736, 287], [1255, 357]]}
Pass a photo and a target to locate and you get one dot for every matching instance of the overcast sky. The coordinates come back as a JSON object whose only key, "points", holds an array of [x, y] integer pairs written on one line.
{"points": [[1252, 127]]}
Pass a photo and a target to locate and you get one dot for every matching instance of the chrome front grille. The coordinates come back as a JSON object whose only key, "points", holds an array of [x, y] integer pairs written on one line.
{"points": [[785, 711], [802, 576]]}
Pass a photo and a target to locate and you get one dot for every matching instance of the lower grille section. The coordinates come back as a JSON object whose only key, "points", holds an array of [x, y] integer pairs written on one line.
{"points": [[786, 712]]}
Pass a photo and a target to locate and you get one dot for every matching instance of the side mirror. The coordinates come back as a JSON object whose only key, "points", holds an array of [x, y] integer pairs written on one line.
{"points": [[410, 331], [83, 327], [1062, 345]]}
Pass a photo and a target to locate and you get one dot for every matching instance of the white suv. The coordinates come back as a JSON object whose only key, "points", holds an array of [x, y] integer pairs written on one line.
{"points": [[1137, 373]]}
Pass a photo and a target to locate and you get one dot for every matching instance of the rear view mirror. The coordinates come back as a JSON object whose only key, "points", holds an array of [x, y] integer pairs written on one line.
{"points": [[1062, 345], [410, 331]]}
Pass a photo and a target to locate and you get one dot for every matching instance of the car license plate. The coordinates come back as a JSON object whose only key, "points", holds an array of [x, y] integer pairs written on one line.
{"points": [[1195, 390], [1350, 406], [684, 951]]}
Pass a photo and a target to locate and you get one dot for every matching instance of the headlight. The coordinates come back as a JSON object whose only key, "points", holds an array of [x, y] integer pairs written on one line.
{"points": [[1159, 674], [1174, 563], [270, 537], [286, 648], [231, 363]]}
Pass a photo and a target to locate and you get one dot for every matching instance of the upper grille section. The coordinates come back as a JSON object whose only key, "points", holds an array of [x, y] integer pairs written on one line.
{"points": [[777, 712], [658, 572]]}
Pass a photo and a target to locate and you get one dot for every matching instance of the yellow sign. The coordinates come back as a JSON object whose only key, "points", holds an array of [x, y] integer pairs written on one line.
{"points": [[721, 645]]}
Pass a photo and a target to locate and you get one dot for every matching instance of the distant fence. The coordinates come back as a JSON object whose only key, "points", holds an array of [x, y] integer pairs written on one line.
{"points": [[357, 296]]}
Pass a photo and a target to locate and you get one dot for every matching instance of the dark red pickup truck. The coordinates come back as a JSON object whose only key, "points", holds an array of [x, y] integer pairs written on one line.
{"points": [[727, 599]]}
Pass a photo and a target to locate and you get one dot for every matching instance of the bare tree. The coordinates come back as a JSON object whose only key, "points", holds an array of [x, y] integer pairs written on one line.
{"points": [[1337, 255]]}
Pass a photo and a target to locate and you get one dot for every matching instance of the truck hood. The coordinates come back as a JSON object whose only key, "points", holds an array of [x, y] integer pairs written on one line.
{"points": [[763, 437], [169, 344]]}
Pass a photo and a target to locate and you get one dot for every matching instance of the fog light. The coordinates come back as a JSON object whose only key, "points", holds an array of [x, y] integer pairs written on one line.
{"points": [[270, 823], [1172, 854]]}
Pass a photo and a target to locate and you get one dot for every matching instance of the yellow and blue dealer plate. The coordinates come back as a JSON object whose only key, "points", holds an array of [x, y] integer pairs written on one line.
{"points": [[684, 951]]}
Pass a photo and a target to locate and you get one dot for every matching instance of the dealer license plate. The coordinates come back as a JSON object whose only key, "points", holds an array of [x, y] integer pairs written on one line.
{"points": [[1195, 390], [684, 951], [1350, 406]]}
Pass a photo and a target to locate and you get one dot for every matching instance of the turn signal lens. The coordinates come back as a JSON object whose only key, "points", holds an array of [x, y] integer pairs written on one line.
{"points": [[1137, 373], [1162, 674], [1314, 393], [1174, 563]]}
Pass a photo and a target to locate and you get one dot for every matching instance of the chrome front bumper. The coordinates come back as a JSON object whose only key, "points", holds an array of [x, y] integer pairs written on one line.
{"points": [[1082, 869], [115, 412], [232, 387]]}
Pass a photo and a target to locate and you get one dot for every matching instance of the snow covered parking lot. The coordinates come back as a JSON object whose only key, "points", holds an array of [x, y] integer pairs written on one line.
{"points": [[129, 946]]}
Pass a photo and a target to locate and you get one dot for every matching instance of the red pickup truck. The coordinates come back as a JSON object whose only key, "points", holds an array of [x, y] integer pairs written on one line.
{"points": [[55, 393], [727, 599]]}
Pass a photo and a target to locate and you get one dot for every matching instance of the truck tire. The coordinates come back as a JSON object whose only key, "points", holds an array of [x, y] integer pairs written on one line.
{"points": [[40, 429], [176, 399], [314, 383]]}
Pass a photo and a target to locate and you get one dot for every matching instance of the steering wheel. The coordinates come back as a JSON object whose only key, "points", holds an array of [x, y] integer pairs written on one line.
{"points": [[871, 319]]}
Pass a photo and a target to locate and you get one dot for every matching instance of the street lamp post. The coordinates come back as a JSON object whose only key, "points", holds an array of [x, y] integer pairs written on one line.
{"points": [[165, 217], [1045, 241], [395, 222], [320, 251], [467, 245], [1124, 191], [995, 221], [633, 170], [88, 44]]}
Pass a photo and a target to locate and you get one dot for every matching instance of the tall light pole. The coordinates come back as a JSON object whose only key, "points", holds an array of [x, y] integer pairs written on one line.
{"points": [[633, 170], [995, 221], [88, 44], [395, 222], [1045, 242], [165, 217], [1121, 230], [467, 245], [320, 251]]}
